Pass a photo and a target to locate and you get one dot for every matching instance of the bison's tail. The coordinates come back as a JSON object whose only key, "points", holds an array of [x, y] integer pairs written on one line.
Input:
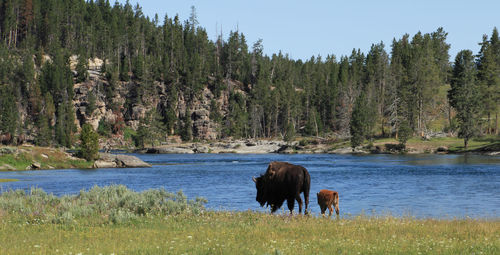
{"points": [[336, 202], [306, 185]]}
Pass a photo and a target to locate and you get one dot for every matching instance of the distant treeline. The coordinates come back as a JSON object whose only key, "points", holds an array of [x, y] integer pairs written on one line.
{"points": [[364, 94]]}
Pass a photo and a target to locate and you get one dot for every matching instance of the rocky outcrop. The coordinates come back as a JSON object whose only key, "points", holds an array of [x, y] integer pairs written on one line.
{"points": [[107, 160], [122, 107], [238, 146]]}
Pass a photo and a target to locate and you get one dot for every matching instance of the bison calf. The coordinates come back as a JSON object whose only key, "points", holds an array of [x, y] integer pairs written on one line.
{"points": [[327, 198]]}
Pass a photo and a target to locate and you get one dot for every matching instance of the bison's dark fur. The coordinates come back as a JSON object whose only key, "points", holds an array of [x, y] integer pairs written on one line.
{"points": [[282, 181]]}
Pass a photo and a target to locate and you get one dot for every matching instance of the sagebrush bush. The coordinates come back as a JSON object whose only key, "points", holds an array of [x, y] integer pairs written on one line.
{"points": [[110, 204]]}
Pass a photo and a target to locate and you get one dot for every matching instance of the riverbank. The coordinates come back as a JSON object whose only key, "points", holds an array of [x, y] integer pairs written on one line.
{"points": [[39, 158], [441, 145], [115, 220], [34, 158]]}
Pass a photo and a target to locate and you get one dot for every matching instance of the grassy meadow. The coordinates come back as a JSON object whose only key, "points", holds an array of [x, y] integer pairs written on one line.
{"points": [[22, 157], [115, 220]]}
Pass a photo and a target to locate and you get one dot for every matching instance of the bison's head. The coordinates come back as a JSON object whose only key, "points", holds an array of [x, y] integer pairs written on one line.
{"points": [[261, 190]]}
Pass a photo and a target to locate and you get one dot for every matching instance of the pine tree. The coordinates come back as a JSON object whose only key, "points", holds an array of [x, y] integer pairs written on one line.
{"points": [[89, 147], [464, 95], [187, 131], [81, 68], [9, 115], [359, 124]]}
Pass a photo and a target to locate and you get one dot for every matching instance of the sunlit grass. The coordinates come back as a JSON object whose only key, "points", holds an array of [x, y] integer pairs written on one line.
{"points": [[9, 180], [48, 158], [454, 144], [255, 233], [179, 227]]}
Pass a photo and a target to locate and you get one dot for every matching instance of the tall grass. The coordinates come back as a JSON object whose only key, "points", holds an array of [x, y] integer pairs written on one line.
{"points": [[99, 205]]}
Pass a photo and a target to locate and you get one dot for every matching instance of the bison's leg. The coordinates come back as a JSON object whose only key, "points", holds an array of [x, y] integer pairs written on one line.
{"points": [[291, 203], [323, 209], [330, 210], [299, 201], [274, 208]]}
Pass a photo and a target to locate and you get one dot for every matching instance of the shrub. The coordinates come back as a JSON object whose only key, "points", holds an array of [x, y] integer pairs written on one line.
{"points": [[110, 204]]}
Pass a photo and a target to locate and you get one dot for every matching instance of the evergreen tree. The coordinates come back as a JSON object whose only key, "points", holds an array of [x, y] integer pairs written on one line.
{"points": [[405, 133], [464, 95], [81, 68], [89, 147], [359, 124], [91, 103], [44, 136], [9, 114]]}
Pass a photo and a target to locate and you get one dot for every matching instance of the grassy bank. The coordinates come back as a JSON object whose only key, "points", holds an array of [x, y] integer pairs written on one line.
{"points": [[23, 157], [9, 180], [162, 223], [452, 144]]}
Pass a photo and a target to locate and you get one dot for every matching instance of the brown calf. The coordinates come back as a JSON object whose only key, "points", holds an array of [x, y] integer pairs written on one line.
{"points": [[327, 198]]}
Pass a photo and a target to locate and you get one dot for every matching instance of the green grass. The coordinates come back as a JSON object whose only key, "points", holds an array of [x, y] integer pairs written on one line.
{"points": [[19, 162], [47, 157], [183, 227], [9, 180], [454, 144]]}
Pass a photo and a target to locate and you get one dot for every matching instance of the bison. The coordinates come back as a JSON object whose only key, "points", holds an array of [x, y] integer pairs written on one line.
{"points": [[327, 198], [282, 181]]}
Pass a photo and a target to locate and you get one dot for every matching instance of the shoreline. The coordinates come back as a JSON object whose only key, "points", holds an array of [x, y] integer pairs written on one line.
{"points": [[249, 146], [29, 157]]}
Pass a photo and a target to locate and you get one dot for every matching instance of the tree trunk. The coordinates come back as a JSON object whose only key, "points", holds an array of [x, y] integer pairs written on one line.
{"points": [[496, 123], [488, 128], [466, 143]]}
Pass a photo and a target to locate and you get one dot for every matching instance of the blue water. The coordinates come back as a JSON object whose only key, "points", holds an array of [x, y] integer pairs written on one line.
{"points": [[441, 186]]}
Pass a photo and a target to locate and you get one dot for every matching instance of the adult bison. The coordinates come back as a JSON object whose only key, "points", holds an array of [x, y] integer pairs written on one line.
{"points": [[282, 181]]}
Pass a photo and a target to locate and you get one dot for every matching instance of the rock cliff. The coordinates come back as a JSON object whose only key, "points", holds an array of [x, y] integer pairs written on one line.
{"points": [[93, 104]]}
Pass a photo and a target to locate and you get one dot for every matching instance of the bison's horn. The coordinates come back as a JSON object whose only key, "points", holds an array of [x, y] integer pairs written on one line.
{"points": [[254, 180]]}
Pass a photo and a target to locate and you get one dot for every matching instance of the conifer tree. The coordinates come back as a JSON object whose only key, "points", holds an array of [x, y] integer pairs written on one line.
{"points": [[89, 147], [359, 126], [464, 95]]}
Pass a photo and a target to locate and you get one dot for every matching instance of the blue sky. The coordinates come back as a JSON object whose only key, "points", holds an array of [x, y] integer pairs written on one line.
{"points": [[306, 28]]}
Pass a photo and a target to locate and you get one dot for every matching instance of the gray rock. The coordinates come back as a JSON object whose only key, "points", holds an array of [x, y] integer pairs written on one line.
{"points": [[121, 160], [130, 161], [442, 149], [104, 164], [36, 165], [201, 149]]}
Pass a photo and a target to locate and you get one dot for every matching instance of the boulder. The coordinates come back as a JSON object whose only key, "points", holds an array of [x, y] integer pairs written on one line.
{"points": [[104, 164], [201, 149], [108, 160], [36, 165], [441, 149], [130, 161]]}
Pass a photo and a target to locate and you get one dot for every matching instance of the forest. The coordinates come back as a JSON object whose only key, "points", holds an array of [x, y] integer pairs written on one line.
{"points": [[412, 90]]}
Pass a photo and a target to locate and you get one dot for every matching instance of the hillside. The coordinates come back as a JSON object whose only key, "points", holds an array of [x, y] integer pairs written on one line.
{"points": [[142, 83]]}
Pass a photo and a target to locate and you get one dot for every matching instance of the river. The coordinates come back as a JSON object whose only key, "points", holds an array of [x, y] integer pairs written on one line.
{"points": [[438, 186]]}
